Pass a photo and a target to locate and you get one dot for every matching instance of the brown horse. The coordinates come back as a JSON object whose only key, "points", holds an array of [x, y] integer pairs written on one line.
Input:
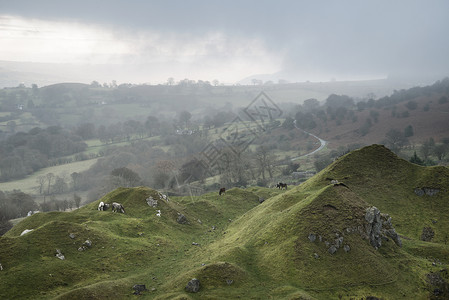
{"points": [[222, 191], [281, 185]]}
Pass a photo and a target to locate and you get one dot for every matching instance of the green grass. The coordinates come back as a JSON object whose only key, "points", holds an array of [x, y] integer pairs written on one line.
{"points": [[243, 249]]}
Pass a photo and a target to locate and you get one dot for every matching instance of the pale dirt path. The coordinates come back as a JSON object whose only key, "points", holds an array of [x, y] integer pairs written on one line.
{"points": [[322, 143]]}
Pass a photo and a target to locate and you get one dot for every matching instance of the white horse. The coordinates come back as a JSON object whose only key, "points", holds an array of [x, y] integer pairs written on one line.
{"points": [[117, 207], [103, 206]]}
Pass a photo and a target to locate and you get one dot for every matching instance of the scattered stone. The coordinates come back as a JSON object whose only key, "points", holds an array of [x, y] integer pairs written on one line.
{"points": [[346, 248], [158, 213], [334, 181], [1, 267], [327, 243], [181, 219], [261, 199], [163, 197], [434, 221], [151, 201], [72, 235], [426, 191], [193, 286], [339, 242], [195, 244], [316, 255], [320, 238], [26, 231], [229, 281], [203, 264], [332, 249], [153, 289], [199, 221], [59, 254], [427, 234], [312, 237], [213, 227], [82, 248], [87, 243]]}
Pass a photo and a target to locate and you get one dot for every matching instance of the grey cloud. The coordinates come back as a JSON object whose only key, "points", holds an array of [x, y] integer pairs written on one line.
{"points": [[378, 37]]}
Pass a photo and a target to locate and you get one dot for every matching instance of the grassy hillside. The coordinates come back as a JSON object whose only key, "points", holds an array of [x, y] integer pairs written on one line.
{"points": [[240, 248]]}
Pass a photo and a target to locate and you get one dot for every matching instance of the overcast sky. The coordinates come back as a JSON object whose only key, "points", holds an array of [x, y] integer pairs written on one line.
{"points": [[230, 40]]}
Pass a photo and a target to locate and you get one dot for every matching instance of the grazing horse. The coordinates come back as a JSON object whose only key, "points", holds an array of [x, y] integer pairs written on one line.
{"points": [[117, 207], [281, 185], [103, 206], [222, 191]]}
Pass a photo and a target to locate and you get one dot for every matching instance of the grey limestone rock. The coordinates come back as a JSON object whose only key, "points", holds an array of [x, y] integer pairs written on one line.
{"points": [[193, 286], [332, 249]]}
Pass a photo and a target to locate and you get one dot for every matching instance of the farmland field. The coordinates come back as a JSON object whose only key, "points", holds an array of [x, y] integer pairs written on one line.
{"points": [[29, 185]]}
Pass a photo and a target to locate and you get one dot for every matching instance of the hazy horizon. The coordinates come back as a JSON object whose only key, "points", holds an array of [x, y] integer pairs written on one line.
{"points": [[148, 42]]}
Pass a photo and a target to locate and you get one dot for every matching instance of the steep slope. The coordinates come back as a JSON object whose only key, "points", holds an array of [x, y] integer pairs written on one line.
{"points": [[285, 244]]}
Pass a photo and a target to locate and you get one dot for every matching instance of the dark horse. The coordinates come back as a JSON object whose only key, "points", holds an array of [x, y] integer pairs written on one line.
{"points": [[222, 191], [281, 185]]}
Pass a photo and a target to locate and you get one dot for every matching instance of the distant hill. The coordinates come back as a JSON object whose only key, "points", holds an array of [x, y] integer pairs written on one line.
{"points": [[314, 241], [425, 109]]}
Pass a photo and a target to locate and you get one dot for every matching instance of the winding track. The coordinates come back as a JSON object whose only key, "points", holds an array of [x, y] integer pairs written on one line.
{"points": [[322, 143]]}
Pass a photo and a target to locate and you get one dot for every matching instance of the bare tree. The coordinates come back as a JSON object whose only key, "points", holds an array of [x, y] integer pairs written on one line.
{"points": [[41, 181], [77, 200], [395, 140], [49, 177], [265, 160]]}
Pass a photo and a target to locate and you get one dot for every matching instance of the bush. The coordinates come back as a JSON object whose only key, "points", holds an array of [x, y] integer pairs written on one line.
{"points": [[4, 226]]}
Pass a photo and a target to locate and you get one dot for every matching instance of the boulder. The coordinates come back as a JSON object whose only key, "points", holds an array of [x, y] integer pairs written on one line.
{"points": [[332, 249], [139, 288], [59, 254], [312, 237], [181, 219], [151, 201], [193, 286], [26, 231], [427, 234], [72, 235], [346, 248], [261, 199], [87, 243]]}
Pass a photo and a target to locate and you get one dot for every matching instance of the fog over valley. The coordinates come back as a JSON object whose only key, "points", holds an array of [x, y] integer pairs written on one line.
{"points": [[224, 149]]}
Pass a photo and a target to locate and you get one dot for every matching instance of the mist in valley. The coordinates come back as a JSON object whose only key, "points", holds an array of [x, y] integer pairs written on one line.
{"points": [[190, 97]]}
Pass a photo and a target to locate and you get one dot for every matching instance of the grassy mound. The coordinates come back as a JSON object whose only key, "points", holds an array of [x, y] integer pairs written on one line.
{"points": [[240, 248]]}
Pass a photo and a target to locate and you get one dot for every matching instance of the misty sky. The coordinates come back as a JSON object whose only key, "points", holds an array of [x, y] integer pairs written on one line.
{"points": [[230, 40]]}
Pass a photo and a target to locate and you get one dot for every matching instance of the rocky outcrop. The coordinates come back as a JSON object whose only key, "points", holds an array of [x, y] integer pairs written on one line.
{"points": [[379, 227], [151, 201], [193, 286]]}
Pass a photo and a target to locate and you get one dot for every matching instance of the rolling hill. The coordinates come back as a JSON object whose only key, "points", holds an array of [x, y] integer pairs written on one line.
{"points": [[332, 237]]}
